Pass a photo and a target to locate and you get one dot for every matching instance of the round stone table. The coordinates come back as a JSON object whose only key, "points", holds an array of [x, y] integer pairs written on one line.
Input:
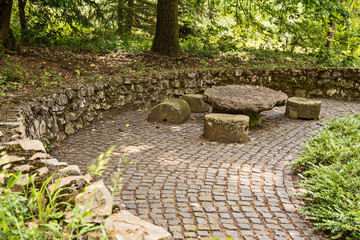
{"points": [[244, 99]]}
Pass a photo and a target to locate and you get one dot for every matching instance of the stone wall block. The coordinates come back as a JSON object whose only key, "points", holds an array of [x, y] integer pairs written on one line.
{"points": [[61, 100], [90, 90]]}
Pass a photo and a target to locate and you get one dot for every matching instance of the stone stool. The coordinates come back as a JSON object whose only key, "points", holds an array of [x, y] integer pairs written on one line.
{"points": [[221, 127], [174, 110], [196, 103], [297, 107]]}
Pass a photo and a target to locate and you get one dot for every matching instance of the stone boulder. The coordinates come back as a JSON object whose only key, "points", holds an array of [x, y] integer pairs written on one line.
{"points": [[196, 103], [125, 226], [97, 199], [304, 108], [226, 127], [173, 110], [243, 99]]}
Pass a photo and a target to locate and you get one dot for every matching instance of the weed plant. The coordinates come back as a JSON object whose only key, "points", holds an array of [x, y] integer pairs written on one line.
{"points": [[330, 168]]}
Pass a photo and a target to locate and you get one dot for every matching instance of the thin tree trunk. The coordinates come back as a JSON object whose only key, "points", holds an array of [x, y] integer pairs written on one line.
{"points": [[129, 16], [166, 40], [5, 14], [22, 5], [120, 16], [331, 33]]}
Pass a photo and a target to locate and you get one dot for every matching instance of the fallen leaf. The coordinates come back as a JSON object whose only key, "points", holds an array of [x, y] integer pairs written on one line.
{"points": [[127, 125]]}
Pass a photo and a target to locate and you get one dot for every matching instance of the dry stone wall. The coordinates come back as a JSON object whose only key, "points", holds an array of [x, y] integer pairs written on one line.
{"points": [[54, 115]]}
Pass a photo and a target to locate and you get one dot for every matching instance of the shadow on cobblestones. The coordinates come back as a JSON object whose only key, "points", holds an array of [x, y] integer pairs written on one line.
{"points": [[196, 188]]}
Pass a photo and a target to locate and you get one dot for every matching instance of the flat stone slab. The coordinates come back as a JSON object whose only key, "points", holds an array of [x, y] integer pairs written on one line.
{"points": [[126, 226], [196, 103], [244, 99], [226, 127], [174, 110], [304, 108]]}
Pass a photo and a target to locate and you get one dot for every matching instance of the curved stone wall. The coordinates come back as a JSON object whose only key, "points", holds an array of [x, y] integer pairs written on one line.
{"points": [[62, 111]]}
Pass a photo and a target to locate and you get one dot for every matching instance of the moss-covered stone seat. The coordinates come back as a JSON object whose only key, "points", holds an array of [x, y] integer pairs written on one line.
{"points": [[304, 108], [196, 103], [173, 110], [221, 127]]}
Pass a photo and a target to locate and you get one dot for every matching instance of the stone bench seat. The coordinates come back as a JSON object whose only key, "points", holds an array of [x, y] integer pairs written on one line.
{"points": [[220, 127], [174, 110], [303, 108]]}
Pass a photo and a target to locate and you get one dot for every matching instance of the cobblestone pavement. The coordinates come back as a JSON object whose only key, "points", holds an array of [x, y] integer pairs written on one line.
{"points": [[199, 189]]}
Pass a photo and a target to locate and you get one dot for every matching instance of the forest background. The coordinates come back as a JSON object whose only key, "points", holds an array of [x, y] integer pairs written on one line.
{"points": [[100, 37]]}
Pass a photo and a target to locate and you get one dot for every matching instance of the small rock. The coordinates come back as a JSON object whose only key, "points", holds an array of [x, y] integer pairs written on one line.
{"points": [[70, 170], [23, 168], [42, 171], [1, 134], [97, 199], [78, 181], [29, 145], [53, 162], [37, 156], [125, 226], [6, 159]]}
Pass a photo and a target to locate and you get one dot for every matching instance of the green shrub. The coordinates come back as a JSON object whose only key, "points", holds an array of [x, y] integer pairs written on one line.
{"points": [[330, 167], [332, 199], [338, 141]]}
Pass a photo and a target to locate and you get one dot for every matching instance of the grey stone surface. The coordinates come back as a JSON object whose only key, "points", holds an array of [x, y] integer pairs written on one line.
{"points": [[173, 110], [298, 107], [97, 199], [243, 98], [196, 103], [226, 127], [126, 226], [213, 186]]}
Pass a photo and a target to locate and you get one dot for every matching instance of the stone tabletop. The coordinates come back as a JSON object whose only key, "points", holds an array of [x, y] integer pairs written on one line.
{"points": [[243, 98]]}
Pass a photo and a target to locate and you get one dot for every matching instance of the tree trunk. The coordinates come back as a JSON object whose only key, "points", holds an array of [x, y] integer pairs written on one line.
{"points": [[166, 40], [22, 5], [5, 14], [120, 16], [331, 33], [129, 16]]}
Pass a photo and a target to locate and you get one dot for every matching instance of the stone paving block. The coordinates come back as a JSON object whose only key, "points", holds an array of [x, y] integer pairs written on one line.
{"points": [[175, 168]]}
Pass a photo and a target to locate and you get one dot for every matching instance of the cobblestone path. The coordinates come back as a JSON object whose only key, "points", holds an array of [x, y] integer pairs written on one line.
{"points": [[198, 189]]}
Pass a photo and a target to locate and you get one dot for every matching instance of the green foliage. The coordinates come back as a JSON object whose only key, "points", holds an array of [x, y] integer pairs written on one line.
{"points": [[99, 166], [37, 212], [338, 141], [332, 198], [331, 178]]}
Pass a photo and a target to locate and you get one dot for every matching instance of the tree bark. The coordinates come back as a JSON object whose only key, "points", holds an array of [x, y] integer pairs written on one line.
{"points": [[129, 16], [120, 16], [331, 33], [5, 14], [22, 5], [166, 40]]}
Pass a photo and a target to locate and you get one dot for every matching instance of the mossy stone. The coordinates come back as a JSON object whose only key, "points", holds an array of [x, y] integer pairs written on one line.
{"points": [[303, 108], [196, 103], [220, 127], [174, 110]]}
